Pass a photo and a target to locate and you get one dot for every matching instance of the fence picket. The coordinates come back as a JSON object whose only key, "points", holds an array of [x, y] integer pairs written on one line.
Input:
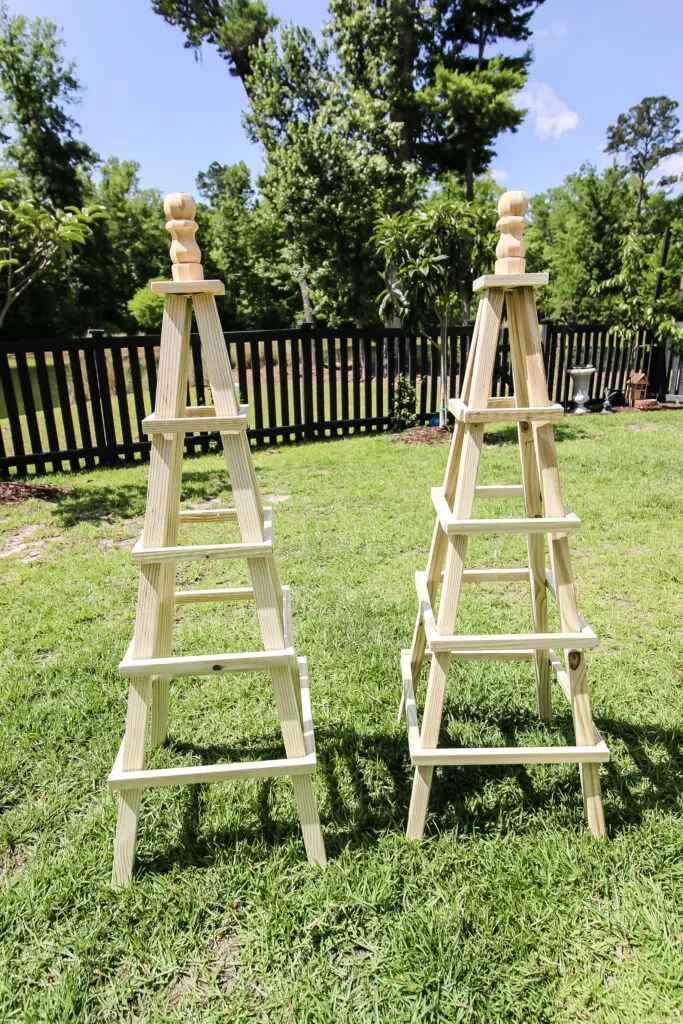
{"points": [[323, 386]]}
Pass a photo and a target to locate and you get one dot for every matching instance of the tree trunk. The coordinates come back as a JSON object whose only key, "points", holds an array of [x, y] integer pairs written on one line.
{"points": [[443, 392], [469, 176], [641, 192], [306, 300]]}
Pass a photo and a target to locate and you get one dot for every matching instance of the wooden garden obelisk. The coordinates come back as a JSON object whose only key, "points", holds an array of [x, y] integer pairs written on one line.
{"points": [[545, 515], [149, 663]]}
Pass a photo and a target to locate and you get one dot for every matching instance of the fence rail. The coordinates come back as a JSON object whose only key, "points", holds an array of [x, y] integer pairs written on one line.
{"points": [[70, 404]]}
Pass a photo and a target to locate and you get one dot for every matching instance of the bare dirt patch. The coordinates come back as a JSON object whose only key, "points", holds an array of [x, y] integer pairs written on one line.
{"points": [[276, 499], [16, 492], [430, 436], [12, 860], [109, 543]]}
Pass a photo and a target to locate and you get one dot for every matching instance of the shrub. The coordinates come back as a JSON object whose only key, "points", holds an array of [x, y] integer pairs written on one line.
{"points": [[146, 308], [403, 414]]}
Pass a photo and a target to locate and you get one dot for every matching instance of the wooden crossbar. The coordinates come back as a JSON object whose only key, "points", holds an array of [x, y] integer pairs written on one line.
{"points": [[514, 414], [209, 515], [154, 424], [582, 641], [511, 755], [208, 664], [541, 524], [224, 594], [153, 777], [198, 552], [499, 491]]}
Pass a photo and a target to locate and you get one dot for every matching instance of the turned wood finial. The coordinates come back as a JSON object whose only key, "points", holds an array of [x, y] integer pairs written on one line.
{"points": [[511, 247], [185, 253]]}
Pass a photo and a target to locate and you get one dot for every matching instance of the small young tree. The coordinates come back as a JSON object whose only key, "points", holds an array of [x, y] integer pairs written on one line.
{"points": [[434, 249], [646, 134], [33, 238], [633, 289]]}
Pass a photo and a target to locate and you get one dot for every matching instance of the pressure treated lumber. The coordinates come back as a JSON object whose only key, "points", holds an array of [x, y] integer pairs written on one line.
{"points": [[149, 663], [435, 640]]}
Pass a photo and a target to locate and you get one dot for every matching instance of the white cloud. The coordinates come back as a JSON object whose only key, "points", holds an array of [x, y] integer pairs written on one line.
{"points": [[555, 31], [499, 175], [670, 165], [553, 116]]}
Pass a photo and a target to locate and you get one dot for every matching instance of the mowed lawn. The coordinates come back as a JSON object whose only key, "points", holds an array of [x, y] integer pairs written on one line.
{"points": [[507, 911]]}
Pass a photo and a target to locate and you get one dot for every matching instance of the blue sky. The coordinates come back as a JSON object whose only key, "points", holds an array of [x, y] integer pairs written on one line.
{"points": [[146, 98]]}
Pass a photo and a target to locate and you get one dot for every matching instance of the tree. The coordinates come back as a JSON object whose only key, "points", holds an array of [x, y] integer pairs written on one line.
{"points": [[34, 238], [235, 27], [646, 134], [391, 51], [37, 85], [436, 249], [242, 243], [633, 289], [575, 233], [467, 110], [327, 177], [147, 308]]}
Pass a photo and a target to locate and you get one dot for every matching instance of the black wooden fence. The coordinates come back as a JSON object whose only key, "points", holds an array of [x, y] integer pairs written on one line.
{"points": [[73, 404]]}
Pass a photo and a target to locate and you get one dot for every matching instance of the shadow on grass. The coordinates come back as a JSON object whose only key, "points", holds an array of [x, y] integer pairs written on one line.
{"points": [[364, 781], [125, 501], [563, 431]]}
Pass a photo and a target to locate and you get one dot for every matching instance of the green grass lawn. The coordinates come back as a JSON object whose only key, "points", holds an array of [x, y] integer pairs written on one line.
{"points": [[507, 911]]}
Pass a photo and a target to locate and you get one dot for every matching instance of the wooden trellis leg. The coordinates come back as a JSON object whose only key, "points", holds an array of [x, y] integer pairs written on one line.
{"points": [[154, 618], [491, 307], [533, 504], [437, 551], [524, 316]]}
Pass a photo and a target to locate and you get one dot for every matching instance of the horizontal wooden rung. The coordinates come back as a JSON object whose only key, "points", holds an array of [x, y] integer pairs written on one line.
{"points": [[486, 655], [224, 594], [513, 414], [148, 778], [195, 422], [514, 642], [511, 755], [198, 552], [510, 575], [460, 527], [208, 664], [499, 491], [208, 515]]}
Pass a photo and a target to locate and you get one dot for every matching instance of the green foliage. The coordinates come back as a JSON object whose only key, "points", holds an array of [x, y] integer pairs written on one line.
{"points": [[466, 109], [37, 84], [414, 60], [235, 27], [646, 134], [431, 254], [633, 290], [575, 234], [402, 415], [146, 308], [34, 238], [242, 243], [327, 177]]}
